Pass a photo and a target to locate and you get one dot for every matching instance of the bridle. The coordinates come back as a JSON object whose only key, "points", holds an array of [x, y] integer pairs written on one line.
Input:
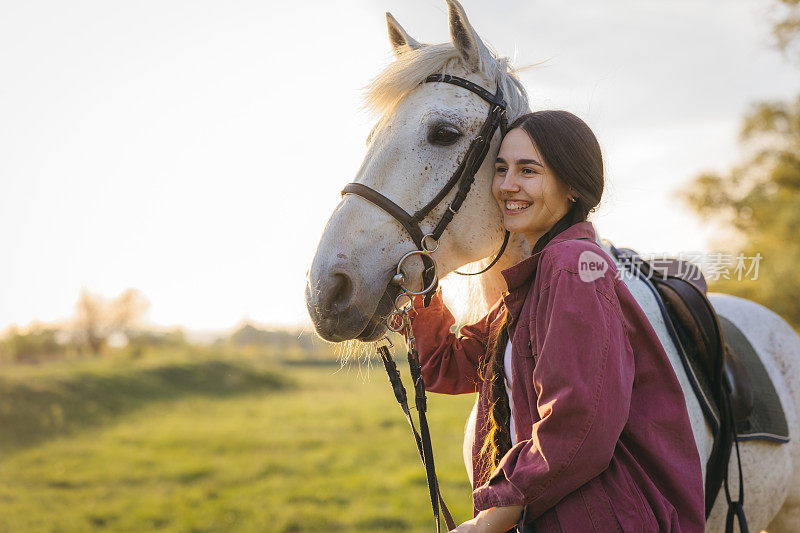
{"points": [[463, 177], [427, 243]]}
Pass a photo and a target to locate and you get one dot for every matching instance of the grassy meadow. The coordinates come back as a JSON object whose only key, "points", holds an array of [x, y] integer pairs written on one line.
{"points": [[195, 440]]}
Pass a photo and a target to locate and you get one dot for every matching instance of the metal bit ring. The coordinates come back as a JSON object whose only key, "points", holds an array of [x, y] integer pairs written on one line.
{"points": [[403, 308], [424, 243], [433, 282], [401, 316]]}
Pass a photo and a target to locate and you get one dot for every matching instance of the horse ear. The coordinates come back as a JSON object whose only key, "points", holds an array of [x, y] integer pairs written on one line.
{"points": [[464, 37], [401, 40]]}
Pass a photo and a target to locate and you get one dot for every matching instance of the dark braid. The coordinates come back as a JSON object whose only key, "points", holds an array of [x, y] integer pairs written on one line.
{"points": [[498, 436]]}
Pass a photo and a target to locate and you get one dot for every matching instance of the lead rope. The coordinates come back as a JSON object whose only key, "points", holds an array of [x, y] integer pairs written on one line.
{"points": [[423, 437]]}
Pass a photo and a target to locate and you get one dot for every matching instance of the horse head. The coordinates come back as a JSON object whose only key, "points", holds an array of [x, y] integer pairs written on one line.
{"points": [[419, 141]]}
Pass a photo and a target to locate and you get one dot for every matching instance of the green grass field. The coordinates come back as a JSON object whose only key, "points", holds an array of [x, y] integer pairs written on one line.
{"points": [[188, 442]]}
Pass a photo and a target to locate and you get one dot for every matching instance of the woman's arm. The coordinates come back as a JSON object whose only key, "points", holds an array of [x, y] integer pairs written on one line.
{"points": [[583, 379], [449, 362]]}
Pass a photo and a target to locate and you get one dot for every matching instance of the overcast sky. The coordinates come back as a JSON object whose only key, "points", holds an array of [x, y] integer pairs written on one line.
{"points": [[194, 150]]}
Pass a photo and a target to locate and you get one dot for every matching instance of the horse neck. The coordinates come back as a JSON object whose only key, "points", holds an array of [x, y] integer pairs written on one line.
{"points": [[471, 297]]}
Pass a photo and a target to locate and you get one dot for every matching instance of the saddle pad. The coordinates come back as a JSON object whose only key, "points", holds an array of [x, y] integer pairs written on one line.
{"points": [[767, 421]]}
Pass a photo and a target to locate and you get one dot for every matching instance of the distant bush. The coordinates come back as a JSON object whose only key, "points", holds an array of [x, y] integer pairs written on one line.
{"points": [[48, 343], [37, 345], [280, 344], [141, 341]]}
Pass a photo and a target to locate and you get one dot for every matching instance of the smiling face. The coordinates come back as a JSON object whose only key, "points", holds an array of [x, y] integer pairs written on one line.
{"points": [[530, 196]]}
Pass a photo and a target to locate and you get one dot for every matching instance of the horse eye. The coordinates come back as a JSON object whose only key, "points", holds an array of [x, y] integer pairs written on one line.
{"points": [[443, 135]]}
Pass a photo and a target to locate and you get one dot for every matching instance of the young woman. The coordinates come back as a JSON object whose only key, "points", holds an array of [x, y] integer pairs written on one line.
{"points": [[582, 423]]}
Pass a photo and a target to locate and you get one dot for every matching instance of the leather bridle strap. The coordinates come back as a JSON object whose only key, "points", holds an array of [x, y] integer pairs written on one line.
{"points": [[464, 176], [494, 261], [496, 99], [400, 215], [397, 212]]}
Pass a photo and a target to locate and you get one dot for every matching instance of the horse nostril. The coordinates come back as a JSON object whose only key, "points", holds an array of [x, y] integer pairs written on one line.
{"points": [[341, 291]]}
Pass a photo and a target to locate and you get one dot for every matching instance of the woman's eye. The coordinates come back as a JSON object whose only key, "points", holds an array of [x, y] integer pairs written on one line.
{"points": [[443, 135], [500, 170], [528, 172]]}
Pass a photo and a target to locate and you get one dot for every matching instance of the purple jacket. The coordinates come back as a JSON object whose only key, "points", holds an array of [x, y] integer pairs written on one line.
{"points": [[604, 441]]}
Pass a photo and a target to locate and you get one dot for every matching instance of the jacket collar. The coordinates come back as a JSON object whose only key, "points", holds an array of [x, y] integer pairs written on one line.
{"points": [[519, 277]]}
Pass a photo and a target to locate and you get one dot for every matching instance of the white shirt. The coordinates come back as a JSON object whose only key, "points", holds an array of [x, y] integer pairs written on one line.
{"points": [[509, 382]]}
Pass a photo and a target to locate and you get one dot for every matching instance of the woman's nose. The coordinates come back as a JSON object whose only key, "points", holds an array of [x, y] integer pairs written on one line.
{"points": [[509, 183]]}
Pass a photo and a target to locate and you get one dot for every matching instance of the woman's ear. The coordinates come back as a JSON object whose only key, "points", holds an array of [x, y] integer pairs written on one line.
{"points": [[465, 38], [400, 39]]}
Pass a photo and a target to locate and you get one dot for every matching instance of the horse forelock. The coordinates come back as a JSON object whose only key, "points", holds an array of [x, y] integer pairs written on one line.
{"points": [[412, 66]]}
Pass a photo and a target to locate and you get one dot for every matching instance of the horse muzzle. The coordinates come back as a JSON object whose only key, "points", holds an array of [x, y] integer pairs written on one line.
{"points": [[337, 303]]}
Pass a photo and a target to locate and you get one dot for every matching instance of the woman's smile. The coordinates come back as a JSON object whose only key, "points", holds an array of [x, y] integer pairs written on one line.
{"points": [[515, 207], [529, 194]]}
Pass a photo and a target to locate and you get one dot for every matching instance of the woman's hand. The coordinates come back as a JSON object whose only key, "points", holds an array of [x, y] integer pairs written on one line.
{"points": [[494, 520], [470, 526]]}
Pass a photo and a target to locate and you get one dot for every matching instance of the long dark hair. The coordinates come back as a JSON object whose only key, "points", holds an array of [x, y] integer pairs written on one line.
{"points": [[572, 152]]}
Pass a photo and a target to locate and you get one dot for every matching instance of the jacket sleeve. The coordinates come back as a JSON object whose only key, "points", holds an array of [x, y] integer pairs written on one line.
{"points": [[449, 362], [583, 380]]}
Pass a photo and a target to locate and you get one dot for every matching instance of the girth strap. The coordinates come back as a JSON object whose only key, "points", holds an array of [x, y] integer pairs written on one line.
{"points": [[735, 507]]}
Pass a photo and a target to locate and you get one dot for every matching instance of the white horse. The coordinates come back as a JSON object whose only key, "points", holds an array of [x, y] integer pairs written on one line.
{"points": [[349, 293]]}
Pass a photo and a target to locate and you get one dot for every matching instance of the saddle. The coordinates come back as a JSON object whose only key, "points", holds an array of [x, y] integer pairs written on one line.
{"points": [[729, 395], [701, 324]]}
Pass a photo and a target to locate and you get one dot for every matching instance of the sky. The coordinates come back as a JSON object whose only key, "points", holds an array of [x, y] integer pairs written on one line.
{"points": [[195, 150]]}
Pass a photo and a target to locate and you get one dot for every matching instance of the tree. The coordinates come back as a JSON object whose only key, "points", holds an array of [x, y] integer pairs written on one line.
{"points": [[787, 28], [98, 318], [760, 198]]}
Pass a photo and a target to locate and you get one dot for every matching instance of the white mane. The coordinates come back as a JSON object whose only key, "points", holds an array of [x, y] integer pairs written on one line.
{"points": [[414, 65]]}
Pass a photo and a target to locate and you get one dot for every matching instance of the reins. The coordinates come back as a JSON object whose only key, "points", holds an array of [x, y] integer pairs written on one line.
{"points": [[399, 319]]}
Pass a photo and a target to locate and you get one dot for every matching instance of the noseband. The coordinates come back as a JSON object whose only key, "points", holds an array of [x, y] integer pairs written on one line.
{"points": [[463, 177]]}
